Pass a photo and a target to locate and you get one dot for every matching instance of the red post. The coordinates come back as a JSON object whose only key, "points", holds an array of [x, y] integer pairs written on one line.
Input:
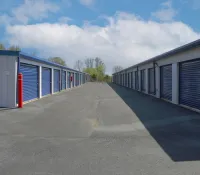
{"points": [[20, 90]]}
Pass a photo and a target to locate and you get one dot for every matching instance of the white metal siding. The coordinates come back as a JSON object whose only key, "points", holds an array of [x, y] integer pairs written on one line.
{"points": [[8, 76]]}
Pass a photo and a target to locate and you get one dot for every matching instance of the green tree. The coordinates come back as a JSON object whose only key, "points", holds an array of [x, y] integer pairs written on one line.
{"points": [[97, 74], [58, 60], [2, 47], [92, 72], [107, 78], [100, 72], [14, 48]]}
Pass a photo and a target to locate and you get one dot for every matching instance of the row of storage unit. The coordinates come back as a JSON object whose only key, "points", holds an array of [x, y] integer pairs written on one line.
{"points": [[40, 77], [173, 76]]}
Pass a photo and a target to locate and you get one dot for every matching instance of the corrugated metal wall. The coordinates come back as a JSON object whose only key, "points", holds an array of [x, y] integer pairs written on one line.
{"points": [[64, 78], [8, 81], [30, 81], [143, 80], [39, 78], [46, 81], [56, 80], [175, 78], [166, 82], [190, 84], [152, 81]]}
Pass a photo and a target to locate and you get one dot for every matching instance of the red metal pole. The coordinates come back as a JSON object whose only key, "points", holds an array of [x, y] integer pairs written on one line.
{"points": [[20, 90]]}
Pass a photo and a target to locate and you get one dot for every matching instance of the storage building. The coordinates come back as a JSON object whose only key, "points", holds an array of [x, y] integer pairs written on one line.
{"points": [[40, 77], [173, 76]]}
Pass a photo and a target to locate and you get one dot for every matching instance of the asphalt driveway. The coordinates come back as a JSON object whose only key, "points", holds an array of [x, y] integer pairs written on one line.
{"points": [[99, 129]]}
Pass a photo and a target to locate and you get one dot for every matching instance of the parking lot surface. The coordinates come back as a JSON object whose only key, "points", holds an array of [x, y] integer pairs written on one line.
{"points": [[99, 129]]}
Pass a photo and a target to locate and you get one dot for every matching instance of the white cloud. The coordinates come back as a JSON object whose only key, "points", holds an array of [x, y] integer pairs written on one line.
{"points": [[5, 19], [30, 9], [126, 39], [166, 13], [64, 19], [87, 2]]}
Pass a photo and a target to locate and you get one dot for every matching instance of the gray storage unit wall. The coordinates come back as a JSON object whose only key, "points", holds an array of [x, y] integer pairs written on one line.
{"points": [[143, 80], [151, 73], [30, 81], [56, 80], [8, 81], [166, 82], [189, 83], [46, 81]]}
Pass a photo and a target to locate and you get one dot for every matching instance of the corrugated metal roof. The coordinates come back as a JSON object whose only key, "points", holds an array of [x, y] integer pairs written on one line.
{"points": [[166, 54], [34, 58], [9, 52]]}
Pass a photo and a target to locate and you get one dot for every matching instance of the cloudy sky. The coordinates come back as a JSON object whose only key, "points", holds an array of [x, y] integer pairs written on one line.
{"points": [[121, 32]]}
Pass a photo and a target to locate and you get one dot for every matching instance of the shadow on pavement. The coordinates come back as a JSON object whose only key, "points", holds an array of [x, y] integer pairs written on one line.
{"points": [[6, 109], [179, 131]]}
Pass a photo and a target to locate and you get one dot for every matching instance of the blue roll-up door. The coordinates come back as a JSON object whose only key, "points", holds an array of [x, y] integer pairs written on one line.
{"points": [[124, 79], [166, 82], [143, 80], [30, 81], [64, 80], [46, 81], [73, 83], [151, 81], [80, 79], [68, 80], [128, 80], [77, 79], [189, 82], [133, 80], [136, 81], [56, 80]]}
